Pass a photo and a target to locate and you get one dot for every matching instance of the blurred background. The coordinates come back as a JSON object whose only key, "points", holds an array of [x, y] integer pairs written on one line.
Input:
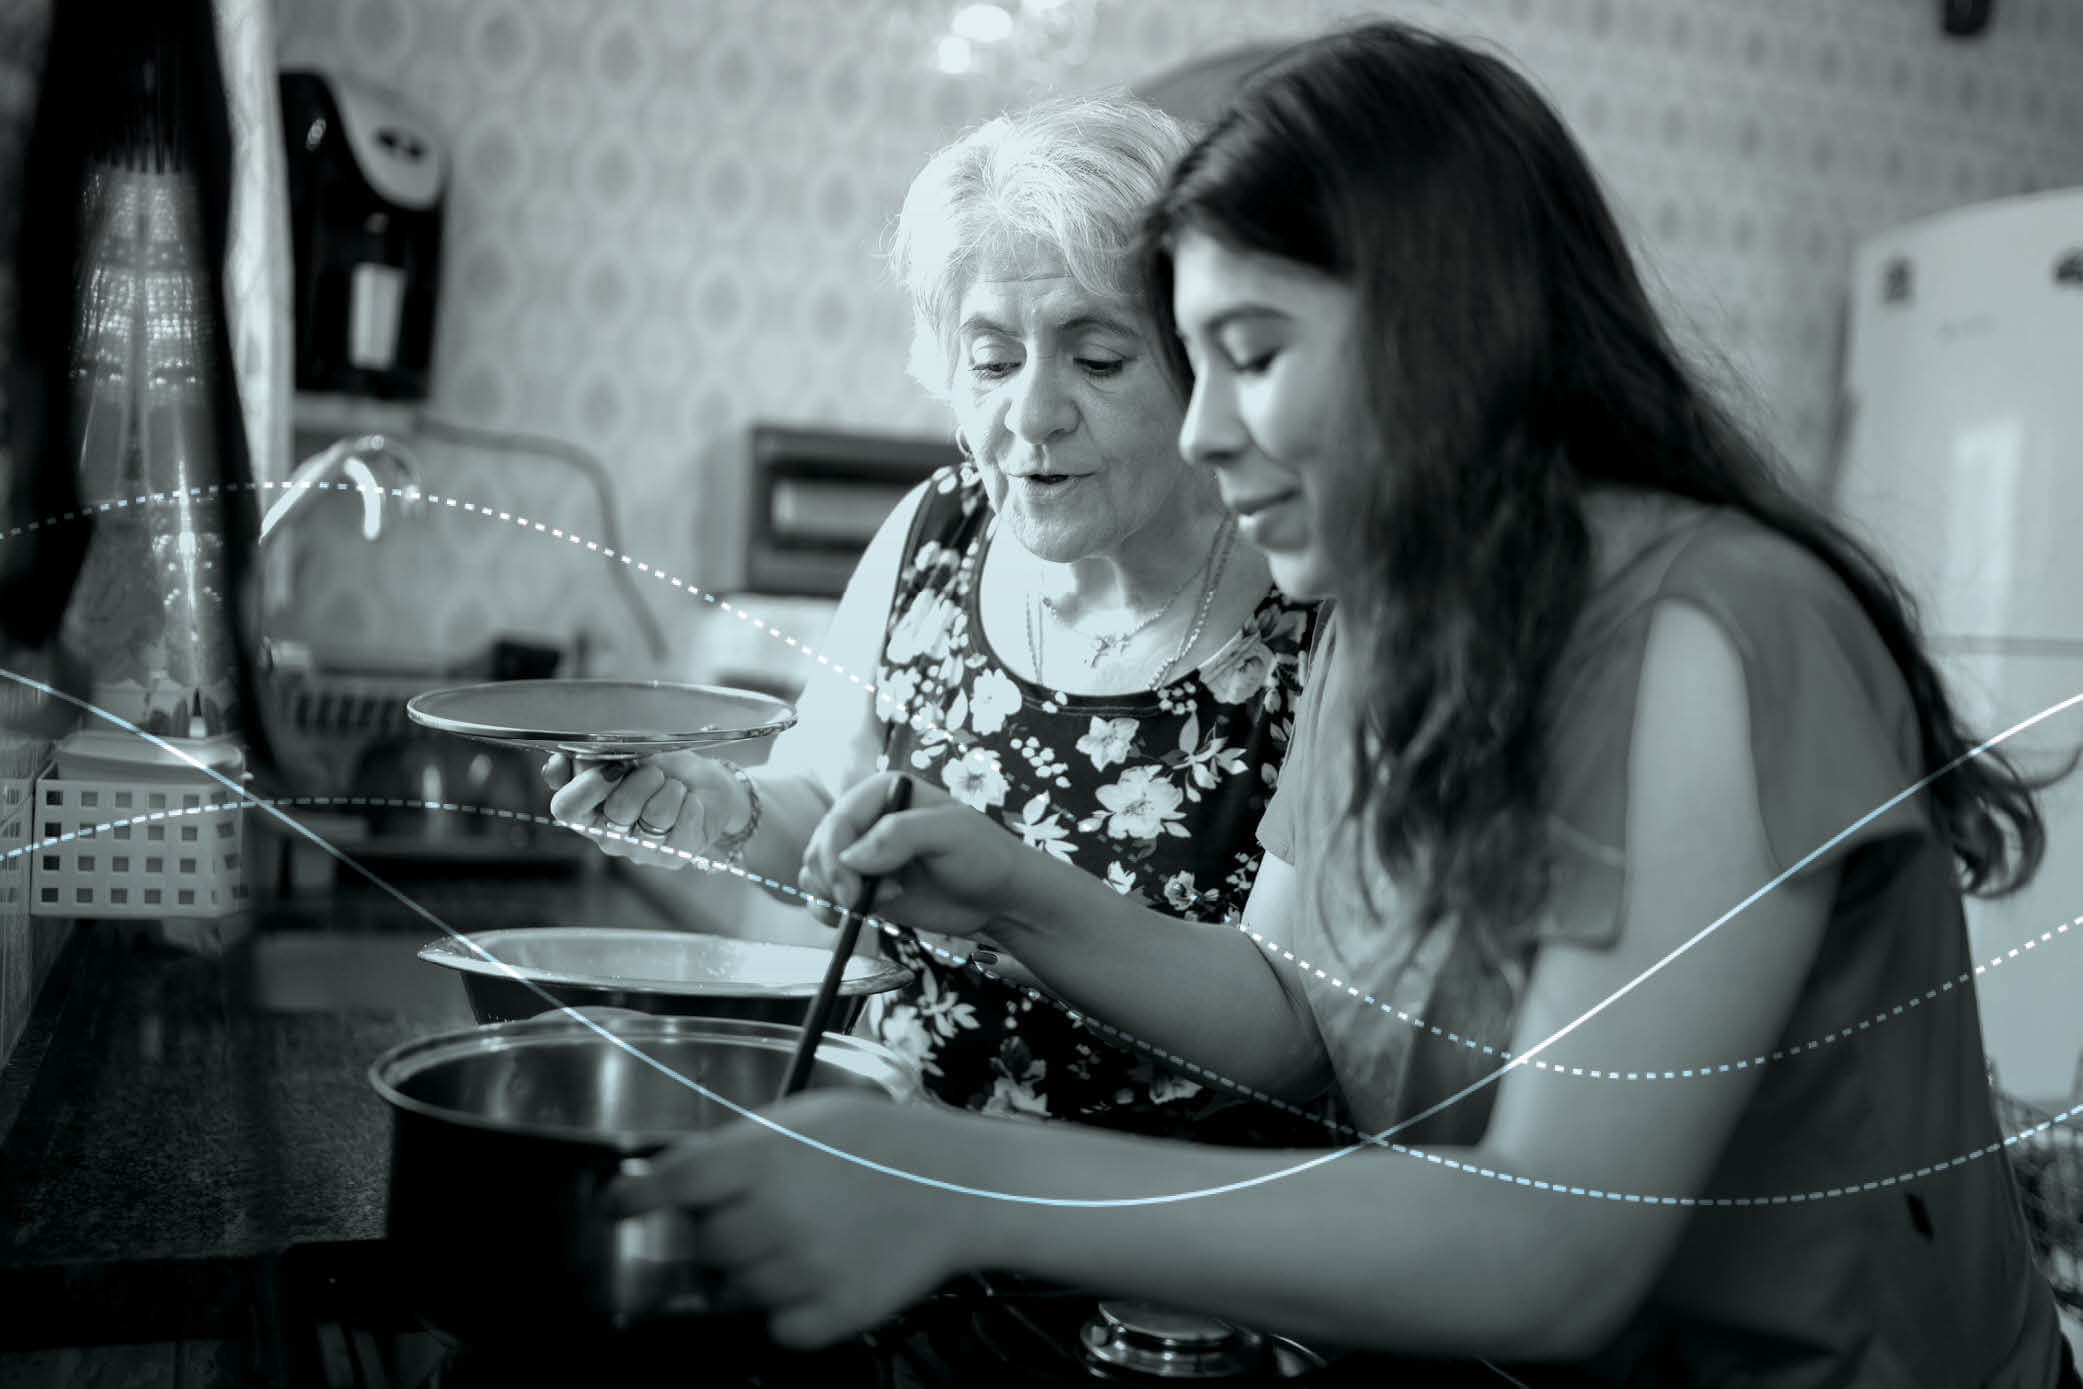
{"points": [[663, 217]]}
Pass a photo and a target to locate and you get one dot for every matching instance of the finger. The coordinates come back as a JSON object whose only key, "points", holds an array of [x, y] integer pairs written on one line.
{"points": [[626, 802], [894, 841], [733, 1236], [852, 815], [580, 797], [824, 894], [816, 1322], [773, 1282], [661, 814], [695, 1172], [556, 770], [857, 810]]}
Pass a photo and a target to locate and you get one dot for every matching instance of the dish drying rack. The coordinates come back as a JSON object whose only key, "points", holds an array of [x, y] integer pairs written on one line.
{"points": [[323, 721]]}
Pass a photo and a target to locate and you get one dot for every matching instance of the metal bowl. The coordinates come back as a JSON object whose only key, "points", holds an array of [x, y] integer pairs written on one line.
{"points": [[504, 1136], [674, 973]]}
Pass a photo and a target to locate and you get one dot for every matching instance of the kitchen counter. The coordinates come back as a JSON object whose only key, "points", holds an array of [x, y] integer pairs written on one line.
{"points": [[173, 1121], [194, 1168]]}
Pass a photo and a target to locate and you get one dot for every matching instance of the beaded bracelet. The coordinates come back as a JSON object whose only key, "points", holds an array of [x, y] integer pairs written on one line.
{"points": [[729, 849]]}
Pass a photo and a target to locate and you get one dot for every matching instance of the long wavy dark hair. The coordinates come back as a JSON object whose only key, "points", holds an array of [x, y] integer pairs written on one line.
{"points": [[1511, 358]]}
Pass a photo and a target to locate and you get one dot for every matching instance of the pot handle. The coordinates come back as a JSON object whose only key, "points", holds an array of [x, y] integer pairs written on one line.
{"points": [[654, 1253]]}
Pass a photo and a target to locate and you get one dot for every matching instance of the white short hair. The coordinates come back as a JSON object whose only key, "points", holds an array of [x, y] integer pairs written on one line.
{"points": [[1074, 174]]}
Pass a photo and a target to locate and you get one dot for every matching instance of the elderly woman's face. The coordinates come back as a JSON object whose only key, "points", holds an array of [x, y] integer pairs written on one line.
{"points": [[1073, 422]]}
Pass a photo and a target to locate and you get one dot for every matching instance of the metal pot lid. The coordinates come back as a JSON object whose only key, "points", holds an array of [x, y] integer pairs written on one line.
{"points": [[601, 718], [679, 963]]}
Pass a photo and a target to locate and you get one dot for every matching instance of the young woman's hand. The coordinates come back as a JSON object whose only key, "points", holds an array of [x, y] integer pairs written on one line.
{"points": [[794, 1219], [660, 810], [943, 867]]}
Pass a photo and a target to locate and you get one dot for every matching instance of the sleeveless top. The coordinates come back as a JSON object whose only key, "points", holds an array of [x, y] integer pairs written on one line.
{"points": [[1862, 1226], [1156, 792]]}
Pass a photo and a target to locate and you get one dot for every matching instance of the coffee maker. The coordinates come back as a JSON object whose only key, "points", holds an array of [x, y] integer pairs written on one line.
{"points": [[366, 187]]}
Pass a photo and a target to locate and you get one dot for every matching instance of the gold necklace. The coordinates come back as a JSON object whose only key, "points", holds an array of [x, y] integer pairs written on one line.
{"points": [[1225, 539], [1217, 559]]}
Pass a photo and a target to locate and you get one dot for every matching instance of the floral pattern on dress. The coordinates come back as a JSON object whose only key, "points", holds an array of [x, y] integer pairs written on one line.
{"points": [[1157, 793]]}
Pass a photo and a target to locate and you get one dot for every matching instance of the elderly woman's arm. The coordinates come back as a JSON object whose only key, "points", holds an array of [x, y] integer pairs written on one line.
{"points": [[837, 736]]}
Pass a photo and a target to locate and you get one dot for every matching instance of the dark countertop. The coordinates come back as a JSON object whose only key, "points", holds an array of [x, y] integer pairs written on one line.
{"points": [[190, 1150], [172, 1120]]}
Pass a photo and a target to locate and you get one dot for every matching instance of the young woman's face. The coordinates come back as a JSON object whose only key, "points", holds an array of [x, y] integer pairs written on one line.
{"points": [[1273, 351], [1067, 406]]}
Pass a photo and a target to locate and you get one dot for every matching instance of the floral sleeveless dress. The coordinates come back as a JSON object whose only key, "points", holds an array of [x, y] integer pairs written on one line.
{"points": [[1157, 793]]}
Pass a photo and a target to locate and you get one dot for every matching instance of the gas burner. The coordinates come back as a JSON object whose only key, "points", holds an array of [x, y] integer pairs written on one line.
{"points": [[341, 1322], [1143, 1343]]}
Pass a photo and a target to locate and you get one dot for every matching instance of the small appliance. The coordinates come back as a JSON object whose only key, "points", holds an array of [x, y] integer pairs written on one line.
{"points": [[367, 182]]}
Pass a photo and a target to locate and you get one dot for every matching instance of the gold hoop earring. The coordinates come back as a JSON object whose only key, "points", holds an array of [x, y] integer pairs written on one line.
{"points": [[962, 446]]}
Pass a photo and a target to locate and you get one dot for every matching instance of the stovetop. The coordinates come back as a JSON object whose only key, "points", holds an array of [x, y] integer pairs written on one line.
{"points": [[343, 1325]]}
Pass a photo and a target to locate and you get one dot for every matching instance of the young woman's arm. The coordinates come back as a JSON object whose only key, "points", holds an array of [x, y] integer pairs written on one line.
{"points": [[1202, 991], [835, 741], [1405, 1252]]}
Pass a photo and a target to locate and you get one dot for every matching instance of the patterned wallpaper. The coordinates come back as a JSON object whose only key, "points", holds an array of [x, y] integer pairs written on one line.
{"points": [[664, 214]]}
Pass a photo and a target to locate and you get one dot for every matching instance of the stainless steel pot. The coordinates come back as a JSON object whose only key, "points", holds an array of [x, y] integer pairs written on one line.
{"points": [[504, 1136], [680, 973]]}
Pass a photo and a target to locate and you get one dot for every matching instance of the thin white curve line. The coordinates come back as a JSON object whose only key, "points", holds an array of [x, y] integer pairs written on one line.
{"points": [[489, 512], [247, 798], [1377, 1141], [1811, 856], [965, 743], [1374, 1140], [1697, 1070], [888, 928]]}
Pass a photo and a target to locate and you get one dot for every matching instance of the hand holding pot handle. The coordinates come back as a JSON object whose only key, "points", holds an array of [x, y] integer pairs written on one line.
{"points": [[828, 1247], [652, 1260]]}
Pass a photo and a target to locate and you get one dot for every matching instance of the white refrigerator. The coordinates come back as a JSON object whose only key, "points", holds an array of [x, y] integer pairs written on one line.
{"points": [[1963, 462]]}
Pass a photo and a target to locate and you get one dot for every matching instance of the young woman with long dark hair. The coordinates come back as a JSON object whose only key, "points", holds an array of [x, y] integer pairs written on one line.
{"points": [[1618, 861]]}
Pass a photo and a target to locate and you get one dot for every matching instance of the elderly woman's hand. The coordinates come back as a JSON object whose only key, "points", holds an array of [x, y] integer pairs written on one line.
{"points": [[952, 869], [662, 810], [796, 1223]]}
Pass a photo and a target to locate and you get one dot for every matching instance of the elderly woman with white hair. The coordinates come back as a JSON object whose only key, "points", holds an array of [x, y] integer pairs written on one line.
{"points": [[1062, 630]]}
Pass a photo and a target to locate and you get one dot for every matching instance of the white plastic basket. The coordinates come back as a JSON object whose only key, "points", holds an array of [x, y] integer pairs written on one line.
{"points": [[136, 849], [15, 793]]}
